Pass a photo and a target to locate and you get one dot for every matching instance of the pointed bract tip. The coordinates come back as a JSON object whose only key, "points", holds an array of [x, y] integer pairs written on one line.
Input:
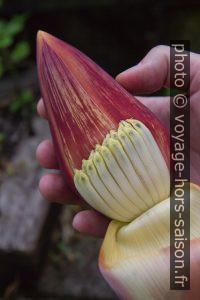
{"points": [[42, 35], [48, 41]]}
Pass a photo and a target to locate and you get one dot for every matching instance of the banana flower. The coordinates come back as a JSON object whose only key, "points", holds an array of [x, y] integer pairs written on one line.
{"points": [[115, 154]]}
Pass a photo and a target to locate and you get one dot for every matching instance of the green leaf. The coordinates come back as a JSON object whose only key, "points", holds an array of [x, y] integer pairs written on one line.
{"points": [[16, 25], [15, 105], [8, 29], [20, 52], [20, 101], [27, 96], [5, 41]]}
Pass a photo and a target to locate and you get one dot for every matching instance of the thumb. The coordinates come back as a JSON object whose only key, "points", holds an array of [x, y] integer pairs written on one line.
{"points": [[150, 75]]}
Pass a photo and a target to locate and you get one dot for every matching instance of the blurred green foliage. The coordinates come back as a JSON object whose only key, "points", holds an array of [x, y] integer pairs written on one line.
{"points": [[22, 103], [14, 59], [11, 52]]}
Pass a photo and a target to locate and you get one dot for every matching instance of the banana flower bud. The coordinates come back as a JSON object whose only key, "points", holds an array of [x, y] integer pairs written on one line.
{"points": [[115, 153]]}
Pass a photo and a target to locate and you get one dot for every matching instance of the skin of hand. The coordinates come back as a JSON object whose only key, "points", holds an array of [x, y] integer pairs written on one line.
{"points": [[149, 76]]}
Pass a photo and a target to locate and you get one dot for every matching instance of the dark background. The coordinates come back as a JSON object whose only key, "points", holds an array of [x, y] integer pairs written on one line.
{"points": [[116, 34], [60, 263]]}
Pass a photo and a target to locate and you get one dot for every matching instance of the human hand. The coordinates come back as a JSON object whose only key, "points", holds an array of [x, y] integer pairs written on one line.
{"points": [[150, 75], [153, 73]]}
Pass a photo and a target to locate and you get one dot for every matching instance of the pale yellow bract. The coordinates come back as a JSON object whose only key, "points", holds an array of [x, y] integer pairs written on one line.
{"points": [[137, 255]]}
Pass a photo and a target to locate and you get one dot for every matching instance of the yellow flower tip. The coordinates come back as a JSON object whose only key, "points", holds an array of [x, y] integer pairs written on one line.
{"points": [[91, 154], [76, 171], [105, 141], [97, 147], [118, 173], [84, 163], [113, 134], [121, 134], [89, 167], [105, 152], [97, 158]]}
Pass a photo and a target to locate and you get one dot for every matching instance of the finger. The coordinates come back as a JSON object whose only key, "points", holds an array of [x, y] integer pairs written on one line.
{"points": [[153, 72], [91, 222], [46, 156], [53, 187], [150, 75], [160, 106], [41, 109]]}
